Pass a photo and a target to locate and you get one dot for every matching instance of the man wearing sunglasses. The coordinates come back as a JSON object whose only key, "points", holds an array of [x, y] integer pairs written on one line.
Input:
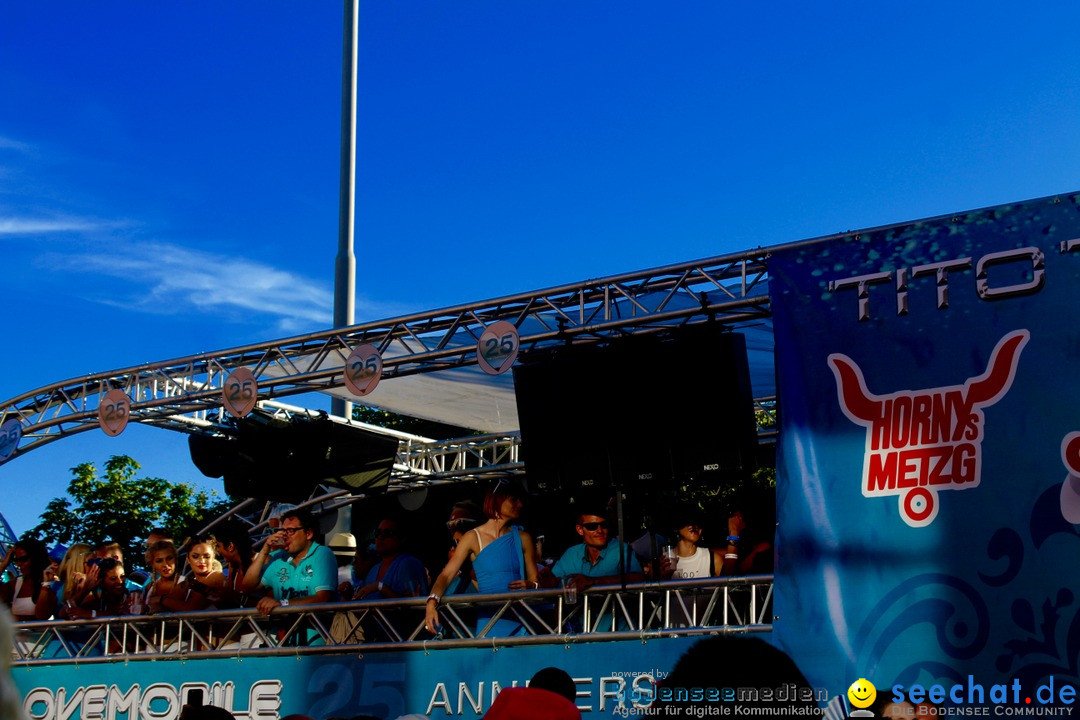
{"points": [[596, 560], [300, 572]]}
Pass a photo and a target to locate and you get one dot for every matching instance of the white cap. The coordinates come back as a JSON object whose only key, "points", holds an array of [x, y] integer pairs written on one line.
{"points": [[343, 544]]}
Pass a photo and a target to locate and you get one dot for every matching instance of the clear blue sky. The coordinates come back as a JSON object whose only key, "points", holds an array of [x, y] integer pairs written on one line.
{"points": [[169, 170]]}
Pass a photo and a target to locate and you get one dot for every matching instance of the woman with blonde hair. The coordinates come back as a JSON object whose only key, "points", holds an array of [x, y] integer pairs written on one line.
{"points": [[71, 577]]}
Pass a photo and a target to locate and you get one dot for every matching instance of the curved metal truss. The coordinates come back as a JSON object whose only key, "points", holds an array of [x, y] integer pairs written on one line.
{"points": [[186, 394]]}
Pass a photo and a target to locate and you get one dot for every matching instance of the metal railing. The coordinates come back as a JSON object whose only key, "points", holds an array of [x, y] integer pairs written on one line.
{"points": [[603, 613]]}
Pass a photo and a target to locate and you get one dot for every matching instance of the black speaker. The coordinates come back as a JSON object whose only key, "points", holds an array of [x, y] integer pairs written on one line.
{"points": [[715, 433], [285, 460], [550, 389], [212, 454], [266, 465], [671, 406], [345, 456]]}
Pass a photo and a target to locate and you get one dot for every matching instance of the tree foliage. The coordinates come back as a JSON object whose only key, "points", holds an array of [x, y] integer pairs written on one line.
{"points": [[118, 506]]}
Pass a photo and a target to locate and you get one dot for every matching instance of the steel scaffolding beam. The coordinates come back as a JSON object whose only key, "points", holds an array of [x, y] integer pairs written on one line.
{"points": [[185, 394]]}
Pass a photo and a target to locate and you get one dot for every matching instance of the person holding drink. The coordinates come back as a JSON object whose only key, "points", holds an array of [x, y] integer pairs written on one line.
{"points": [[596, 560], [292, 566]]}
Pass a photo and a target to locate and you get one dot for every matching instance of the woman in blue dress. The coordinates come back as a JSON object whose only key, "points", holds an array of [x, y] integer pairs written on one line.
{"points": [[503, 557]]}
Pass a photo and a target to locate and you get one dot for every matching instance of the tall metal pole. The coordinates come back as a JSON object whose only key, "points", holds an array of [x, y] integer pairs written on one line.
{"points": [[345, 265]]}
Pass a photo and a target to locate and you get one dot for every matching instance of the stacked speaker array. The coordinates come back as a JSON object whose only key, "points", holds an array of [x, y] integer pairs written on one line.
{"points": [[285, 460], [637, 411], [633, 412]]}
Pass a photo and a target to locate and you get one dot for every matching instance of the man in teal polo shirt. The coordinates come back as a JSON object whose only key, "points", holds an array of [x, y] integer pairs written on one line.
{"points": [[595, 561], [301, 572]]}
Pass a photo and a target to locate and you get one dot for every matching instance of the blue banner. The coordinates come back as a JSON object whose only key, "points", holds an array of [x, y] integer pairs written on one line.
{"points": [[926, 505], [613, 679]]}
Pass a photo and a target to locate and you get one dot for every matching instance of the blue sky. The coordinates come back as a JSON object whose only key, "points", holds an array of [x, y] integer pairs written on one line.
{"points": [[169, 171]]}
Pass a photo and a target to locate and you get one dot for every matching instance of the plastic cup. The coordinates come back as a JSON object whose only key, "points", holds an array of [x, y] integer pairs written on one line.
{"points": [[570, 593]]}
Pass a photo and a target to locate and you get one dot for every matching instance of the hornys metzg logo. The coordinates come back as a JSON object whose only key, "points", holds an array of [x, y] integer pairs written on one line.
{"points": [[919, 442]]}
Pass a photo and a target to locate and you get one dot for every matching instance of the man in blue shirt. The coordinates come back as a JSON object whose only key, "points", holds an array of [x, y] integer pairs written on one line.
{"points": [[397, 574], [596, 560], [301, 572]]}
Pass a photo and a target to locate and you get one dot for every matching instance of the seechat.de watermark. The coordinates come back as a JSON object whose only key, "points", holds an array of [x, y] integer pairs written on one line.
{"points": [[969, 698]]}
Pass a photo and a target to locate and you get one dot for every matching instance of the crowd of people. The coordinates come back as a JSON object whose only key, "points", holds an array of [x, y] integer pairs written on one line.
{"points": [[490, 552]]}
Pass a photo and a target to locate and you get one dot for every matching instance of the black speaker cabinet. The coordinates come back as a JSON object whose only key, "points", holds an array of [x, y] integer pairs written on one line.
{"points": [[285, 460], [636, 411]]}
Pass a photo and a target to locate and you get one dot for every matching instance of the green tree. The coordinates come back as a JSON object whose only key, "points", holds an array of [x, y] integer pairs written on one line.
{"points": [[118, 506]]}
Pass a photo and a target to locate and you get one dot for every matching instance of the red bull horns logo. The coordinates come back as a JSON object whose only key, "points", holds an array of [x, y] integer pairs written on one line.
{"points": [[920, 442]]}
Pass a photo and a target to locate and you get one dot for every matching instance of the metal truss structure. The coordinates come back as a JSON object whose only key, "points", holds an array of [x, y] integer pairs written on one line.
{"points": [[186, 394], [7, 537], [602, 614]]}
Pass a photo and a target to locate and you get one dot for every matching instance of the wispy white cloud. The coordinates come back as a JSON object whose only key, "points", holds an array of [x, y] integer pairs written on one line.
{"points": [[159, 277], [40, 226], [7, 143], [165, 278]]}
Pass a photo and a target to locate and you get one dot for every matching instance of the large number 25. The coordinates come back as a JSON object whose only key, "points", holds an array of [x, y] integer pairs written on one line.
{"points": [[499, 348], [240, 391], [360, 370], [115, 411]]}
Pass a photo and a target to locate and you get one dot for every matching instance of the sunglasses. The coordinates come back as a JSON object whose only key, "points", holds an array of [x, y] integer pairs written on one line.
{"points": [[594, 526], [20, 558], [385, 533]]}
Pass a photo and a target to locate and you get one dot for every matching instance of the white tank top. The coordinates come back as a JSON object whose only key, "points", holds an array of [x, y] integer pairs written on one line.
{"points": [[697, 565], [22, 607]]}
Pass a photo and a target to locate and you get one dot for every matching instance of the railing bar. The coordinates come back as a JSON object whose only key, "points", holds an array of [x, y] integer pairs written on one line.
{"points": [[462, 626], [387, 625], [604, 604], [494, 619], [710, 607], [192, 639], [530, 611], [321, 629], [625, 613]]}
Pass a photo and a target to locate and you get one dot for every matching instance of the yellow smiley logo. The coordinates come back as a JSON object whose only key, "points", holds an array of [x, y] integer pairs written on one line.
{"points": [[862, 693]]}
